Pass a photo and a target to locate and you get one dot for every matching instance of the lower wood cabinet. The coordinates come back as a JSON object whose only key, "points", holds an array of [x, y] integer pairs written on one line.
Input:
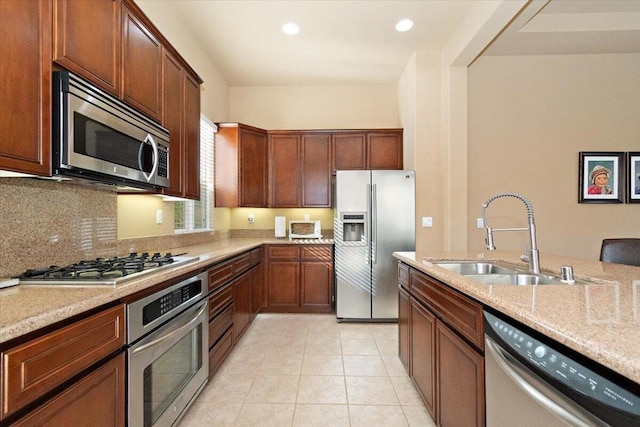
{"points": [[440, 344], [299, 278], [423, 356], [97, 400], [460, 380], [235, 297]]}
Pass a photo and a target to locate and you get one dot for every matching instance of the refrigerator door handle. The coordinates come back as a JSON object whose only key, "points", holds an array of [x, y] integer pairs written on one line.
{"points": [[374, 224], [367, 226]]}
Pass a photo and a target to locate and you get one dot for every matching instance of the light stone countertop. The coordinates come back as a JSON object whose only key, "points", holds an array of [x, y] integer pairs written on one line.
{"points": [[24, 309], [600, 320]]}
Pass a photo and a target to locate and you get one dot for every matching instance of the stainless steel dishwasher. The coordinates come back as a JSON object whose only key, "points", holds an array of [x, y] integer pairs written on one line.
{"points": [[532, 381]]}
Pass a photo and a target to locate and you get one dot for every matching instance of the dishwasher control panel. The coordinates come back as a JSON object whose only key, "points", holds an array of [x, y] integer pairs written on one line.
{"points": [[540, 357]]}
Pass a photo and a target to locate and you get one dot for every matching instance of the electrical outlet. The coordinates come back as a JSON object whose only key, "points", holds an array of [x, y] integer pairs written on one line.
{"points": [[251, 219], [479, 222], [306, 217], [427, 221], [159, 216]]}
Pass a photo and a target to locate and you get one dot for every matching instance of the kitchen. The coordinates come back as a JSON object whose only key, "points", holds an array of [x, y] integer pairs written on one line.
{"points": [[451, 188]]}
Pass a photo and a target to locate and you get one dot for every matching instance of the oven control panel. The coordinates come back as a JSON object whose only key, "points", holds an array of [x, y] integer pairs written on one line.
{"points": [[169, 301], [540, 357], [148, 313]]}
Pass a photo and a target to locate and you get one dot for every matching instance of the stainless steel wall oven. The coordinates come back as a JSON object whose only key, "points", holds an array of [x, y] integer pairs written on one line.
{"points": [[168, 352]]}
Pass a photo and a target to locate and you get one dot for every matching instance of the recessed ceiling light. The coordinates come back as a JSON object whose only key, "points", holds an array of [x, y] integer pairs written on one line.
{"points": [[404, 25], [290, 28]]}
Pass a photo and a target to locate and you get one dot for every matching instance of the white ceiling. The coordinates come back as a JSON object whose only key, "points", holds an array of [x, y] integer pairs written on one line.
{"points": [[354, 42]]}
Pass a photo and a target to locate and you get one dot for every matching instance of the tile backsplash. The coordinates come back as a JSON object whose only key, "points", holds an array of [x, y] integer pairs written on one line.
{"points": [[45, 222]]}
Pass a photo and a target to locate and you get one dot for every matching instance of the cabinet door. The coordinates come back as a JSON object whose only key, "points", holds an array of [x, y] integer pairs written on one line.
{"points": [[461, 400], [87, 40], [384, 150], [404, 316], [284, 170], [25, 87], [257, 290], [172, 119], [284, 287], [191, 152], [316, 171], [349, 151], [252, 166], [316, 283], [142, 66], [423, 371], [241, 305], [97, 400]]}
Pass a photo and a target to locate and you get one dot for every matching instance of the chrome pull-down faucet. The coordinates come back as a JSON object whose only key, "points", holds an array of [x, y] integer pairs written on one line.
{"points": [[534, 255]]}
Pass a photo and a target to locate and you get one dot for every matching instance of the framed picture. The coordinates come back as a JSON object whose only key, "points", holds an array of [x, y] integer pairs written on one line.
{"points": [[601, 177], [633, 166]]}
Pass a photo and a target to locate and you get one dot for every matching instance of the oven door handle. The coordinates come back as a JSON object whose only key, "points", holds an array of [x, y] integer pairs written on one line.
{"points": [[173, 333], [538, 390]]}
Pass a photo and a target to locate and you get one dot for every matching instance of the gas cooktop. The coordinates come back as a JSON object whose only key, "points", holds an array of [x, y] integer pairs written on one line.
{"points": [[104, 271]]}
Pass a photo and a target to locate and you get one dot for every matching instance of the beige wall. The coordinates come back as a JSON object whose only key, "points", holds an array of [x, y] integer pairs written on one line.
{"points": [[316, 107], [529, 117], [137, 216]]}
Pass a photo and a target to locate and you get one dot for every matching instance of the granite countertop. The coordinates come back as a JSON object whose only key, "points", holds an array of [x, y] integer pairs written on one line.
{"points": [[600, 320], [24, 309]]}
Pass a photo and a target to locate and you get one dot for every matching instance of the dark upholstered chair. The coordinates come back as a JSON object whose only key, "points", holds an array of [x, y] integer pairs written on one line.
{"points": [[621, 251]]}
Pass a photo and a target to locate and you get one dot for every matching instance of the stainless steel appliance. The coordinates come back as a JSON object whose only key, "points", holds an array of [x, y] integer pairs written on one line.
{"points": [[98, 137], [167, 334], [374, 216], [104, 271], [532, 381]]}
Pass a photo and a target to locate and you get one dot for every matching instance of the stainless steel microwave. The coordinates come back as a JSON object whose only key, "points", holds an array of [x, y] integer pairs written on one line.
{"points": [[99, 138]]}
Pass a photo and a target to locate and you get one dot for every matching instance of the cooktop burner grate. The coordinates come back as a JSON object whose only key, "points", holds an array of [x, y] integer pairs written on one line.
{"points": [[103, 271]]}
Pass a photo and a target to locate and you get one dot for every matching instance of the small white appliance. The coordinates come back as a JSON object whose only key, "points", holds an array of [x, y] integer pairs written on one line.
{"points": [[281, 226], [305, 230]]}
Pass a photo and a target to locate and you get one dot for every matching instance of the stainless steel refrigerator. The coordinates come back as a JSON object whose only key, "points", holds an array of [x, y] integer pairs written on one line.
{"points": [[374, 216]]}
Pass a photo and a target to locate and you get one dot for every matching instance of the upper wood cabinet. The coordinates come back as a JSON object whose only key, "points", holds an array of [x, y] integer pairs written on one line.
{"points": [[141, 67], [299, 169], [25, 86], [181, 115], [379, 149], [284, 170], [87, 40], [240, 166]]}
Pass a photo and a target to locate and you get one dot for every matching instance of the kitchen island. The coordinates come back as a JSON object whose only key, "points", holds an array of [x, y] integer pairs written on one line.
{"points": [[600, 320]]}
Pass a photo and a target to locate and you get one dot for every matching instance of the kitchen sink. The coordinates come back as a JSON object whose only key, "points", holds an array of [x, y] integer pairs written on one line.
{"points": [[515, 279], [492, 273], [467, 268]]}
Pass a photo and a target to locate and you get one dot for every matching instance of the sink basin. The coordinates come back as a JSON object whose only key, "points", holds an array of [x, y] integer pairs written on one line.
{"points": [[474, 268], [515, 279]]}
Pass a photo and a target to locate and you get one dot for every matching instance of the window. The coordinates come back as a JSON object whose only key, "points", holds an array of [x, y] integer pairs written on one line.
{"points": [[195, 215]]}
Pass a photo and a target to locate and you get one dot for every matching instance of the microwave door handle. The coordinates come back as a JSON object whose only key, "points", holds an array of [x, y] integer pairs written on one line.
{"points": [[154, 145]]}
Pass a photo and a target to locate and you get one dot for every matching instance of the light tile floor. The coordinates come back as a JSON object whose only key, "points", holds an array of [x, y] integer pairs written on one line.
{"points": [[309, 370]]}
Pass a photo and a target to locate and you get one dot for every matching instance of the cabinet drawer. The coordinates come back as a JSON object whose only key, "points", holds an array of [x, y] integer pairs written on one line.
{"points": [[256, 256], [403, 274], [241, 263], [219, 274], [36, 367], [219, 299], [316, 253], [459, 312], [283, 252], [219, 352], [220, 324]]}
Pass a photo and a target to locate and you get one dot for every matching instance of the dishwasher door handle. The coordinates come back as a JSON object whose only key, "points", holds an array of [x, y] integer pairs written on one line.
{"points": [[550, 399]]}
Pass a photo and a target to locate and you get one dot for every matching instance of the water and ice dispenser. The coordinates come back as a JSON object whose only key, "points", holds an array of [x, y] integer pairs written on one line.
{"points": [[353, 229]]}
